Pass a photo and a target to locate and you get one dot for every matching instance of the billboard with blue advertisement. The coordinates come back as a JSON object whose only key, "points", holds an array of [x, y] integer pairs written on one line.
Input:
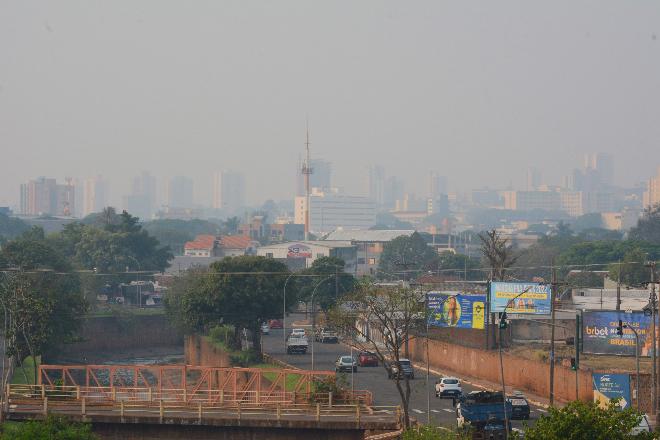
{"points": [[611, 386], [535, 300], [460, 310], [599, 333]]}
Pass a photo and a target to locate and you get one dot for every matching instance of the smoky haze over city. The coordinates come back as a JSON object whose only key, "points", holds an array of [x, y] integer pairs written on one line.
{"points": [[477, 92]]}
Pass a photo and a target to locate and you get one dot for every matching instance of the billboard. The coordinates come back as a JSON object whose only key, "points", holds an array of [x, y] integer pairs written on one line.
{"points": [[599, 333], [611, 386], [298, 251], [456, 310], [535, 301]]}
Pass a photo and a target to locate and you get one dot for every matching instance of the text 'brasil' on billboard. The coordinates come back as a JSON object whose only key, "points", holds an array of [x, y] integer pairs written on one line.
{"points": [[456, 310], [599, 333], [535, 300]]}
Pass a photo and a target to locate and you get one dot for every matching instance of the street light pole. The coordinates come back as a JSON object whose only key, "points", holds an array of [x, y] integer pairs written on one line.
{"points": [[284, 311], [314, 316], [636, 361], [654, 302]]}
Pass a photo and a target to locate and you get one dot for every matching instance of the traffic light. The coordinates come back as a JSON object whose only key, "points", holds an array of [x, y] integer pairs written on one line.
{"points": [[503, 323], [573, 364], [619, 329]]}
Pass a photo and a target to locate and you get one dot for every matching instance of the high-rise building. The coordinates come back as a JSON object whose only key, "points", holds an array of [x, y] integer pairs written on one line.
{"points": [[532, 179], [393, 191], [142, 200], [180, 192], [437, 185], [603, 165], [94, 195], [229, 191], [652, 193], [331, 209], [45, 196], [376, 184]]}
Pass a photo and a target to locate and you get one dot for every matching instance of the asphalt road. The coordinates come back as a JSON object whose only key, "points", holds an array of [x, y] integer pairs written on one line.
{"points": [[375, 379]]}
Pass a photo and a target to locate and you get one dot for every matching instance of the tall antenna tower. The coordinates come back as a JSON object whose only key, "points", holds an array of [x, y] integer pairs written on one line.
{"points": [[307, 171]]}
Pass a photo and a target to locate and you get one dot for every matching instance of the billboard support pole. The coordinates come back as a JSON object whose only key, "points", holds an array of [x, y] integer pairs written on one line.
{"points": [[487, 316], [576, 341], [552, 335]]}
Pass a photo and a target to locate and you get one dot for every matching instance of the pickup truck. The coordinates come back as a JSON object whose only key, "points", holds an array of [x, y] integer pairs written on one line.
{"points": [[296, 344], [483, 413], [327, 335]]}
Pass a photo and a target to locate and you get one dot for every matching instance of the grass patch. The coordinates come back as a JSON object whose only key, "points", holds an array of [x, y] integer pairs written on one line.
{"points": [[26, 370], [121, 310], [291, 379]]}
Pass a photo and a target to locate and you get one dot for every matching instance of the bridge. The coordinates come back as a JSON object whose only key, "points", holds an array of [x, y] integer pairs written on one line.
{"points": [[161, 401]]}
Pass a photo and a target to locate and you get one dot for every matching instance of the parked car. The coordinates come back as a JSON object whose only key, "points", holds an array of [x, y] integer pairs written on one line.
{"points": [[406, 370], [448, 387], [275, 323], [265, 328], [367, 359], [327, 335], [345, 363], [642, 426], [520, 407]]}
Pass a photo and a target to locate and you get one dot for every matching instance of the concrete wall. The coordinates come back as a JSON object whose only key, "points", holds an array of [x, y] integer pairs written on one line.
{"points": [[200, 352], [114, 333], [519, 373], [118, 431]]}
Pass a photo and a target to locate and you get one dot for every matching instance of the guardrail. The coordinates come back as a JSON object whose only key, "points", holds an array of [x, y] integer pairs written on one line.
{"points": [[145, 402]]}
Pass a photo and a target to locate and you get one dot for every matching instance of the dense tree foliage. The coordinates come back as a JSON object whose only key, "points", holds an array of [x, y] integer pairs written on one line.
{"points": [[408, 254], [581, 421], [241, 291], [330, 284], [648, 227], [175, 233], [53, 428], [11, 227], [31, 251]]}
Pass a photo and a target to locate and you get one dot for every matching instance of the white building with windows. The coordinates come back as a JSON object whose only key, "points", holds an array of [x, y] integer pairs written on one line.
{"points": [[301, 254], [332, 209]]}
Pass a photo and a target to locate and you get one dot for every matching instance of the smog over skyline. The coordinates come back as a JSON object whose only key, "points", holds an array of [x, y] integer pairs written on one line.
{"points": [[476, 92]]}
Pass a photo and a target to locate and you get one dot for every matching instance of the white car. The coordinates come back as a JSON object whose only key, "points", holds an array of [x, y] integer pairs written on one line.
{"points": [[298, 333], [265, 328], [448, 387], [642, 426]]}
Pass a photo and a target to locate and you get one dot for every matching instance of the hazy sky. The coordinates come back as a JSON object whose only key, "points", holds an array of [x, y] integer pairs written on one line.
{"points": [[476, 90]]}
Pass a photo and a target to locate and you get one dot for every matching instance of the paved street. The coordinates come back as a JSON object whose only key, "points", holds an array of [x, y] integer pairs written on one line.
{"points": [[375, 379]]}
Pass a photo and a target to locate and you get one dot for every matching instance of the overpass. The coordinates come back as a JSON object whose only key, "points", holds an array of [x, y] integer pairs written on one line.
{"points": [[151, 401]]}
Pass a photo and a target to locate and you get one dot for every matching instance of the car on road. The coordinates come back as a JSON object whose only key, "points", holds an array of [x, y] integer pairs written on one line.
{"points": [[296, 344], [642, 426], [298, 333], [275, 324], [406, 370], [520, 409], [367, 359], [327, 335], [345, 363], [265, 328], [448, 387]]}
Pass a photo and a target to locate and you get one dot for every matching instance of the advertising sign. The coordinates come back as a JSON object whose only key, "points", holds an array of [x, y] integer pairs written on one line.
{"points": [[535, 301], [299, 250], [611, 386], [599, 333], [456, 310]]}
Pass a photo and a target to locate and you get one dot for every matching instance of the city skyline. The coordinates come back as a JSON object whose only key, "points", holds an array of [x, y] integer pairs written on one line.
{"points": [[398, 90]]}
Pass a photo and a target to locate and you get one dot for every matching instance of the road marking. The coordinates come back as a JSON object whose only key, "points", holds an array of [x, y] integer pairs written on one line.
{"points": [[541, 410], [435, 411], [418, 411], [448, 410]]}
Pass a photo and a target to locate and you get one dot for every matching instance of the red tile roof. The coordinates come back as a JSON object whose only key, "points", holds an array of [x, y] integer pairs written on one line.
{"points": [[235, 241], [201, 242]]}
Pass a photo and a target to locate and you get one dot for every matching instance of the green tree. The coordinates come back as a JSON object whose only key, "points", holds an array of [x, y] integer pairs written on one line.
{"points": [[631, 270], [407, 254], [231, 225], [581, 421], [241, 291], [334, 282], [456, 263], [11, 227], [53, 428], [175, 233], [648, 227], [31, 250]]}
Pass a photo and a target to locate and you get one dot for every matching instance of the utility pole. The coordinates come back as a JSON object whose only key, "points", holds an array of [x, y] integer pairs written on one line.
{"points": [[618, 289], [553, 289], [654, 302]]}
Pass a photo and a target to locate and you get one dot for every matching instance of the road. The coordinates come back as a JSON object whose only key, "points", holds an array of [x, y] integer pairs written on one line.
{"points": [[375, 379]]}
